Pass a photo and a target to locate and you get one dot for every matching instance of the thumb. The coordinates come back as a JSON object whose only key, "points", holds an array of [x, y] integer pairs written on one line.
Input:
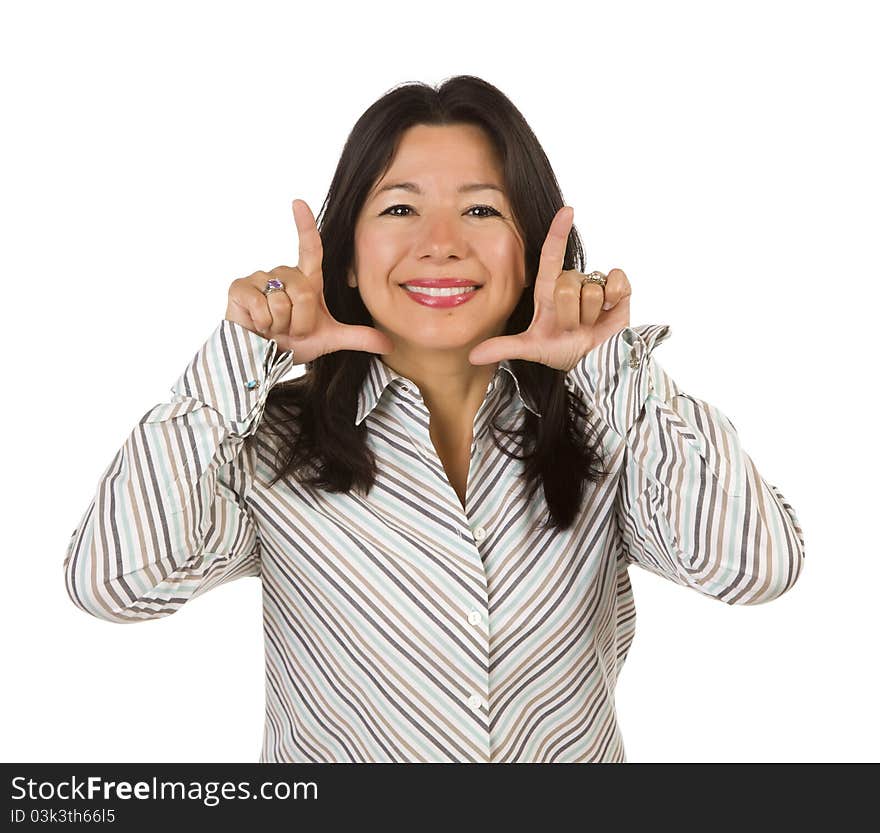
{"points": [[366, 339], [501, 347]]}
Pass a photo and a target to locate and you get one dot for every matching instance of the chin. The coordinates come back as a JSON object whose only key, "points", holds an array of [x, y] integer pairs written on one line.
{"points": [[440, 340]]}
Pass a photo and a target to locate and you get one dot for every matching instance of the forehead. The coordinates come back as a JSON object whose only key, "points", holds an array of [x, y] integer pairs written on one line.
{"points": [[442, 157]]}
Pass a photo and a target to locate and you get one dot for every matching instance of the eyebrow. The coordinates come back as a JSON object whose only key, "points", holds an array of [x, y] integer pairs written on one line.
{"points": [[464, 189]]}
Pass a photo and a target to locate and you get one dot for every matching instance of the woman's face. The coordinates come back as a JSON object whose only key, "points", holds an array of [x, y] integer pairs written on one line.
{"points": [[439, 231]]}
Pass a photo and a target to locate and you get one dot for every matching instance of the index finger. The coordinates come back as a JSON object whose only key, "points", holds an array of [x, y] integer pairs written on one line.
{"points": [[311, 250], [553, 250]]}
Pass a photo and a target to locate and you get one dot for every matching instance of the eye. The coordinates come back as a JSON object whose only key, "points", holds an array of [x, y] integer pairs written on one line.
{"points": [[494, 211], [393, 207]]}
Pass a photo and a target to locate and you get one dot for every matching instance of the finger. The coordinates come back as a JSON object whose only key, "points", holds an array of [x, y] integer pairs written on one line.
{"points": [[617, 287], [246, 294], [553, 250], [304, 305], [311, 251], [592, 296], [361, 337], [567, 300], [241, 315], [281, 303], [503, 347]]}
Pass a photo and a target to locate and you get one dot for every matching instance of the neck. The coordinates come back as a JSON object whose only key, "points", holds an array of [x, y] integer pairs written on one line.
{"points": [[451, 387]]}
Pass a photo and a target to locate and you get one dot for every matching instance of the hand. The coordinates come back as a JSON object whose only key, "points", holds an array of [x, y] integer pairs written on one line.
{"points": [[298, 318], [569, 320]]}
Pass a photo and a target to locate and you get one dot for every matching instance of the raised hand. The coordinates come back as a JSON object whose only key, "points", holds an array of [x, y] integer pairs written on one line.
{"points": [[569, 319], [297, 318]]}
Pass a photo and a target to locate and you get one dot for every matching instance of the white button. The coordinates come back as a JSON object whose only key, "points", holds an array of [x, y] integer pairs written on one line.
{"points": [[479, 533], [474, 617], [475, 701]]}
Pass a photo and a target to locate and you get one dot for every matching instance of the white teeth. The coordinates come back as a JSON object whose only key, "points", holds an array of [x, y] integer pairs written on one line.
{"points": [[446, 290]]}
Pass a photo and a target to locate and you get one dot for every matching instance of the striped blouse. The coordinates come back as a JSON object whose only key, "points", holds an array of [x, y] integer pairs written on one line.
{"points": [[399, 627]]}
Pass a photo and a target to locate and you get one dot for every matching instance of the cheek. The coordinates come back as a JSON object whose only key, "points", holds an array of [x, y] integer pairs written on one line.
{"points": [[508, 261], [376, 252]]}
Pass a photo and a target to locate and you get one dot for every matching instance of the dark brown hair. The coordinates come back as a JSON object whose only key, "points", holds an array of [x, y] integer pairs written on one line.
{"points": [[313, 415]]}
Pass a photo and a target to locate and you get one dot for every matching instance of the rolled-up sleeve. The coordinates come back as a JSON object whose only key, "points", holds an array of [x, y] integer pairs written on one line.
{"points": [[690, 506]]}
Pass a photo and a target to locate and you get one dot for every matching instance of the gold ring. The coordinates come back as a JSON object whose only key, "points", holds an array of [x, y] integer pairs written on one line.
{"points": [[594, 277]]}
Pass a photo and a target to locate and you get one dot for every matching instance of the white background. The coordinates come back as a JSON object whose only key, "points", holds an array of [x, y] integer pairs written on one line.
{"points": [[723, 155]]}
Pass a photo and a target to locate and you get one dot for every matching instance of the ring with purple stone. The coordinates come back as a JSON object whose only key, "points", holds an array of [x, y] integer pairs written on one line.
{"points": [[273, 285]]}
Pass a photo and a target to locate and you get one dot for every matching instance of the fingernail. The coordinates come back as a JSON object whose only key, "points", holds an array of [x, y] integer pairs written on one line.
{"points": [[607, 305]]}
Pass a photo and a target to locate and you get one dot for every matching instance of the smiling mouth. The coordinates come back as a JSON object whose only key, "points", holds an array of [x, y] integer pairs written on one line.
{"points": [[440, 292]]}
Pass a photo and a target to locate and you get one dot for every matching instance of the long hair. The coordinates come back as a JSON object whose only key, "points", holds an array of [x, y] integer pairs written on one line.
{"points": [[313, 416]]}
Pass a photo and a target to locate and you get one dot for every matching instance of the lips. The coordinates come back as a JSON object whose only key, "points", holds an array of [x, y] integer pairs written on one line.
{"points": [[439, 283], [438, 299]]}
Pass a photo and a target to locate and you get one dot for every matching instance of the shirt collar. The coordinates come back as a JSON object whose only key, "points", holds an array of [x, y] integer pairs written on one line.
{"points": [[380, 376]]}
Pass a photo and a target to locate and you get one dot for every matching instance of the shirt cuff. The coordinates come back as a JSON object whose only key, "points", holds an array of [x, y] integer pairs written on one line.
{"points": [[617, 376], [232, 373]]}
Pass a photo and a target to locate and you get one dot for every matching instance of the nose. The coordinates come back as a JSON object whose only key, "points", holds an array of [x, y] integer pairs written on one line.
{"points": [[441, 237]]}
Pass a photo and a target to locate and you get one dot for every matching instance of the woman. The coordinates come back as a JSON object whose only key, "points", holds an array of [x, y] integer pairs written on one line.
{"points": [[444, 506]]}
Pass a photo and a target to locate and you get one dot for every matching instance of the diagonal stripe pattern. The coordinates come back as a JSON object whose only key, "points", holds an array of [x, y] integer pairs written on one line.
{"points": [[400, 627]]}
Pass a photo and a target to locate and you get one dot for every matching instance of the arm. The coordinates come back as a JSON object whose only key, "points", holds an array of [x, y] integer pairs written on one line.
{"points": [[690, 504], [169, 520]]}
